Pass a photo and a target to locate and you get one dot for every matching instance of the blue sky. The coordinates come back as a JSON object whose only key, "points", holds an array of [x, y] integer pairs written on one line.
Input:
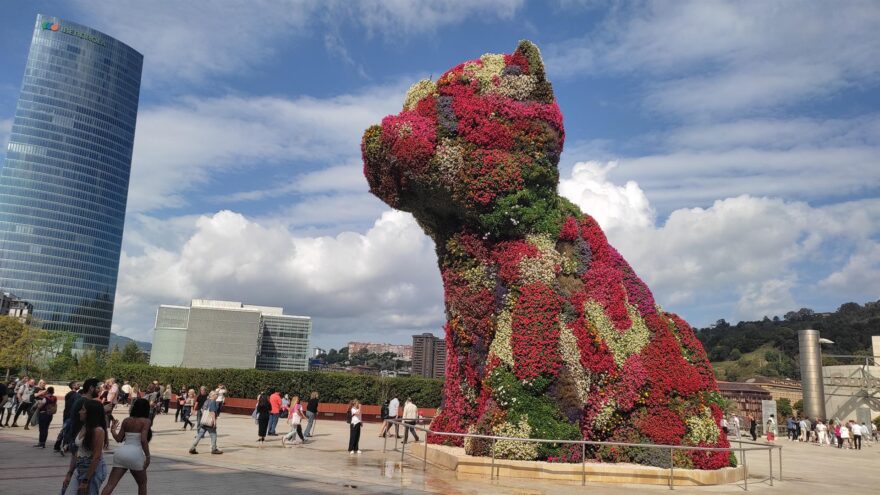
{"points": [[729, 149]]}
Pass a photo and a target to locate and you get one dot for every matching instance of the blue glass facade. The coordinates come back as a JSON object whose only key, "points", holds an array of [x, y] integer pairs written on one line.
{"points": [[64, 184]]}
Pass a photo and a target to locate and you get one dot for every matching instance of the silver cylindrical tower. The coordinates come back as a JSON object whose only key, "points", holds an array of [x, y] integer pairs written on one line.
{"points": [[811, 374]]}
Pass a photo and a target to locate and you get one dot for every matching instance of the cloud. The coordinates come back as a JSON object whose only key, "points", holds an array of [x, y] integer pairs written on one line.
{"points": [[383, 279], [339, 178], [187, 41], [860, 277], [725, 57], [181, 145], [744, 248]]}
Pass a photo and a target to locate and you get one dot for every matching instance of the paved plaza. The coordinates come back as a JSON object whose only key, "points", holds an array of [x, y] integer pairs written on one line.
{"points": [[324, 467]]}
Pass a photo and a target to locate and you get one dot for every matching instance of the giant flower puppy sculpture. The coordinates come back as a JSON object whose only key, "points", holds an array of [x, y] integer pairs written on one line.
{"points": [[550, 333]]}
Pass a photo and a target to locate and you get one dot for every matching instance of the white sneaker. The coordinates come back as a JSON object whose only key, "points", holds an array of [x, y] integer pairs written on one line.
{"points": [[359, 451], [351, 453]]}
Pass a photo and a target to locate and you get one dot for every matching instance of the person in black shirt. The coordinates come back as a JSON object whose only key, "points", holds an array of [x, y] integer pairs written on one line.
{"points": [[200, 402], [311, 413], [69, 399], [89, 392]]}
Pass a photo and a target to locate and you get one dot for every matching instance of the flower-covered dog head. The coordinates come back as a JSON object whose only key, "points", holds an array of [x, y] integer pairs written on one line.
{"points": [[477, 148]]}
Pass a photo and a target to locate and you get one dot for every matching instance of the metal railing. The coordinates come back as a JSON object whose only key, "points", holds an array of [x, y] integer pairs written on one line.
{"points": [[741, 450]]}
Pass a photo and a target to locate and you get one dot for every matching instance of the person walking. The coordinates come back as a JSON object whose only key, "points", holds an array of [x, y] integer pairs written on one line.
{"points": [[208, 424], [857, 432], [296, 415], [355, 424], [410, 417], [47, 406], [753, 428], [274, 412], [8, 405], [383, 415], [181, 399], [200, 403], [845, 435], [771, 429], [221, 397], [822, 433], [87, 465], [393, 415], [311, 413], [134, 434], [263, 410], [69, 399], [24, 395], [166, 399], [189, 402]]}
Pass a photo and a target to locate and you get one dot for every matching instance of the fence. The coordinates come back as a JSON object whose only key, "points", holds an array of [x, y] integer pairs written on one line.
{"points": [[741, 450]]}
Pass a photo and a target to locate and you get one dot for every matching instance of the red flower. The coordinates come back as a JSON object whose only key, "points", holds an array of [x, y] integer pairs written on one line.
{"points": [[536, 332]]}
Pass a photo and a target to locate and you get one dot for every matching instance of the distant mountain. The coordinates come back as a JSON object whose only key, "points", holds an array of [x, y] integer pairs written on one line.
{"points": [[123, 341]]}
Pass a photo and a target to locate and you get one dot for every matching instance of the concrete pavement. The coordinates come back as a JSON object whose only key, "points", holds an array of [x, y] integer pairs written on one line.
{"points": [[324, 467]]}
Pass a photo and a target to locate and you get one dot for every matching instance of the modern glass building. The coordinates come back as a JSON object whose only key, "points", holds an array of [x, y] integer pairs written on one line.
{"points": [[64, 184]]}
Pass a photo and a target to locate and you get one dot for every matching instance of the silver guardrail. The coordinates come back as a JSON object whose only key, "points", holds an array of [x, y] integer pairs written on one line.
{"points": [[741, 449]]}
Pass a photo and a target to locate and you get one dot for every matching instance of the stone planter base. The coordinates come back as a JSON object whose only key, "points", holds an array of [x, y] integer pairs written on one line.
{"points": [[454, 459]]}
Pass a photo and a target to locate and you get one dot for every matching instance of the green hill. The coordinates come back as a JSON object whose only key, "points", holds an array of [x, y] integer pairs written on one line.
{"points": [[769, 347]]}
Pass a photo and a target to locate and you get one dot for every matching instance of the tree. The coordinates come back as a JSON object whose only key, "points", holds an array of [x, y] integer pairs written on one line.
{"points": [[15, 344], [734, 355], [799, 406], [131, 354], [783, 408]]}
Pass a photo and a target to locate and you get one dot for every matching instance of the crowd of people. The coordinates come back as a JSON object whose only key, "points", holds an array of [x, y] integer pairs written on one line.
{"points": [[88, 423], [834, 433]]}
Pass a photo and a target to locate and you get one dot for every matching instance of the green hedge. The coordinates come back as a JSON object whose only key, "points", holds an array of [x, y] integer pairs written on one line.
{"points": [[333, 387]]}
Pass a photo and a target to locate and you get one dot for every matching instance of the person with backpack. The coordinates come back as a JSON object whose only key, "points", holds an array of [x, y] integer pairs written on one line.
{"points": [[383, 415], [46, 409]]}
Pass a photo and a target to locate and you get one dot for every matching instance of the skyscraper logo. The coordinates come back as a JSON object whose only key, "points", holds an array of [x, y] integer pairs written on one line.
{"points": [[54, 26]]}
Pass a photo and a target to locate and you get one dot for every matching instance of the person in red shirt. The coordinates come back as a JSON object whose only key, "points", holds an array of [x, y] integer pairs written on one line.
{"points": [[274, 411]]}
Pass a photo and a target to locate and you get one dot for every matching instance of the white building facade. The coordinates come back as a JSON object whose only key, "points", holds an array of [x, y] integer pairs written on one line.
{"points": [[229, 334]]}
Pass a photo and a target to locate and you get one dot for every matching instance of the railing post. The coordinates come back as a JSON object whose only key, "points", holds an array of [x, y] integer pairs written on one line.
{"points": [[745, 470], [583, 464], [425, 446], [402, 452], [770, 454], [396, 429], [671, 469], [492, 471], [780, 463], [384, 443]]}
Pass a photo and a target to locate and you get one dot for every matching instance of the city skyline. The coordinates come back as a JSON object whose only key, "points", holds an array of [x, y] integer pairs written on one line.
{"points": [[734, 168]]}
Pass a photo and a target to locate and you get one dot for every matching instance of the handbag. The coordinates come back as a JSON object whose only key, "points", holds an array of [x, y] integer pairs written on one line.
{"points": [[209, 419]]}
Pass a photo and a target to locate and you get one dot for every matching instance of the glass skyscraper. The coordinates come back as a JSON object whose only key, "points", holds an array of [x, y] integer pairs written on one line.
{"points": [[64, 184]]}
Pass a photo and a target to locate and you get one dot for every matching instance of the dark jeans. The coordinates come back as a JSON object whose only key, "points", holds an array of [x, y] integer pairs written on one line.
{"points": [[165, 404], [408, 429], [273, 423], [44, 420], [24, 407], [185, 413], [857, 442], [262, 425], [354, 437], [63, 435]]}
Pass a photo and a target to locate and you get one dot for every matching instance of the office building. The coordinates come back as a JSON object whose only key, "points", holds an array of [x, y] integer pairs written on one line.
{"points": [[14, 306], [227, 334], [64, 183], [402, 351], [428, 356]]}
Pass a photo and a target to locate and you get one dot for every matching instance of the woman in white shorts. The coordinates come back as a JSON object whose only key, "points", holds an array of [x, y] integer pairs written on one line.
{"points": [[134, 453]]}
